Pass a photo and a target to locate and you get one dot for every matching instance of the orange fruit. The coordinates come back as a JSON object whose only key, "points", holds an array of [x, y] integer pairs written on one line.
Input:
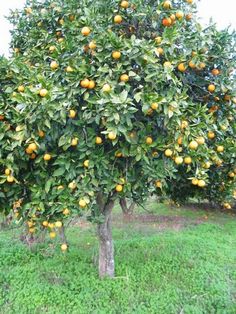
{"points": [[85, 31], [86, 163], [201, 183], [91, 84], [92, 45], [149, 140], [74, 141], [21, 89], [166, 22], [168, 152], [167, 4], [82, 203], [84, 83], [69, 69], [192, 65], [211, 135], [215, 72], [52, 234], [116, 55], [41, 133], [64, 247], [66, 211], [220, 148], [47, 157], [119, 188], [118, 19], [106, 88], [58, 224], [154, 106], [181, 67], [187, 160], [10, 179], [124, 78], [200, 140], [193, 145], [124, 4], [211, 88], [179, 160], [54, 65], [98, 140], [160, 51], [195, 181], [112, 136], [72, 114], [179, 15], [43, 92]]}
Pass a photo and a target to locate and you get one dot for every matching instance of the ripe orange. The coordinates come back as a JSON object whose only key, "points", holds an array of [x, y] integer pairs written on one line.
{"points": [[32, 147], [124, 4], [74, 141], [181, 67], [7, 172], [119, 188], [69, 69], [168, 152], [167, 4], [158, 39], [180, 140], [10, 179], [202, 65], [184, 124], [92, 45], [86, 163], [160, 51], [187, 160], [179, 15], [54, 65], [2, 117], [66, 211], [179, 160], [154, 105], [189, 1], [158, 184], [92, 84], [231, 174], [211, 135], [192, 65], [58, 224], [149, 140], [98, 140], [72, 185], [200, 140], [47, 157], [220, 148], [85, 31], [201, 183], [43, 92], [124, 78], [84, 83], [112, 136], [64, 247], [211, 88], [82, 203], [106, 88], [118, 19], [195, 181], [71, 17], [116, 54], [21, 89], [166, 22], [45, 223], [215, 72], [72, 114], [193, 145], [41, 133]]}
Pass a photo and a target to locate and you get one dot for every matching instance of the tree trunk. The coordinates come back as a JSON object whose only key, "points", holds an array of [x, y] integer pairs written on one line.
{"points": [[62, 235], [106, 249]]}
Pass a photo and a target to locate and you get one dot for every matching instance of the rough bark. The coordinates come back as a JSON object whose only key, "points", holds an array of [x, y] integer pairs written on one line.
{"points": [[106, 249], [62, 234]]}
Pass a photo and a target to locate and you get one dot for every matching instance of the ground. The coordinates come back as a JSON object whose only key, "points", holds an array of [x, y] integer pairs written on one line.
{"points": [[168, 260]]}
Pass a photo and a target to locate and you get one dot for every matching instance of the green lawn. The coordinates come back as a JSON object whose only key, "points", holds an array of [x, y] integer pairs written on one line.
{"points": [[159, 268]]}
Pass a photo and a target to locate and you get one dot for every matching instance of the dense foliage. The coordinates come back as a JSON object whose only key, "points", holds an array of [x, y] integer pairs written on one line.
{"points": [[119, 99]]}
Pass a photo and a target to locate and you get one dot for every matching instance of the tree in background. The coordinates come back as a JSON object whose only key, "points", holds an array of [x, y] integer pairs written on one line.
{"points": [[107, 100]]}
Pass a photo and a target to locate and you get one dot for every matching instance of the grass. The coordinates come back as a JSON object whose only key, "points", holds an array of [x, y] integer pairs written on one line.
{"points": [[190, 271]]}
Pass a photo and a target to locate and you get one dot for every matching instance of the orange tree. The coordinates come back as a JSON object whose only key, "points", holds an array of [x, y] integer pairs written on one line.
{"points": [[101, 101]]}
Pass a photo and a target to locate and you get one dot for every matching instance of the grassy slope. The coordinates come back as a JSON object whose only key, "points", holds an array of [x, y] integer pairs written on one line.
{"points": [[189, 271]]}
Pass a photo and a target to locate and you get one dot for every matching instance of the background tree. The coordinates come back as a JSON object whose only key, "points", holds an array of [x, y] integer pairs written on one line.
{"points": [[104, 101]]}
